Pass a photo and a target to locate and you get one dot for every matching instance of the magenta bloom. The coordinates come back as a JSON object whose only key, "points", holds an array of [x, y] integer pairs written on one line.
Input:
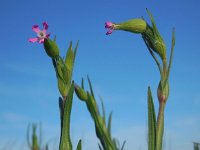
{"points": [[110, 26], [41, 34]]}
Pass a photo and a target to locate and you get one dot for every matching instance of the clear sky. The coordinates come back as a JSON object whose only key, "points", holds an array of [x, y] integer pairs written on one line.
{"points": [[119, 66]]}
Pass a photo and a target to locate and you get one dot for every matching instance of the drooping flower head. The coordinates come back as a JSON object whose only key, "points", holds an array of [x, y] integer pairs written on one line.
{"points": [[41, 34], [137, 25], [110, 26]]}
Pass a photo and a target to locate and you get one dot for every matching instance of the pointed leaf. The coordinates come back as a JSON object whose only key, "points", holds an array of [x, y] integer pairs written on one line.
{"points": [[103, 109], [109, 124], [27, 136], [69, 59], [79, 146], [123, 145], [61, 106], [75, 50], [151, 122], [90, 84], [153, 22], [82, 83], [100, 148]]}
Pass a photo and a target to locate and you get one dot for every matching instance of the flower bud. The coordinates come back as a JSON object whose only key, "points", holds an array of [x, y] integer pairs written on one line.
{"points": [[51, 48], [63, 87], [82, 95], [133, 25], [163, 92]]}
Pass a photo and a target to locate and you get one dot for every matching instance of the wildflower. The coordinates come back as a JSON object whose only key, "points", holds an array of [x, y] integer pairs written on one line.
{"points": [[110, 26], [41, 34]]}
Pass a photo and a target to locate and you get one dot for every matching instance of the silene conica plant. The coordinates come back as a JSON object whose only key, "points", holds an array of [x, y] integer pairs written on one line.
{"points": [[63, 67]]}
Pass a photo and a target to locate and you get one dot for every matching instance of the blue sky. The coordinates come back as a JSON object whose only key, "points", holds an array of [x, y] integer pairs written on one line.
{"points": [[119, 66]]}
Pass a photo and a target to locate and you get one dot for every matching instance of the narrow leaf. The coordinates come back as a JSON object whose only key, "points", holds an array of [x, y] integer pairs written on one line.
{"points": [[75, 50], [123, 145], [90, 84], [109, 124], [82, 83], [103, 109], [151, 122], [60, 102], [172, 53], [69, 59], [153, 22], [27, 136], [100, 148], [79, 146], [171, 58]]}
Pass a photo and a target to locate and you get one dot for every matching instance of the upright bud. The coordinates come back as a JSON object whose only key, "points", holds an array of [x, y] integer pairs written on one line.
{"points": [[82, 95], [163, 92], [51, 48]]}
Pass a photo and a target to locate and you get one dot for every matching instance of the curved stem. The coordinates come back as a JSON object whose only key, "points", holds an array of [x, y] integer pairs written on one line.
{"points": [[154, 57]]}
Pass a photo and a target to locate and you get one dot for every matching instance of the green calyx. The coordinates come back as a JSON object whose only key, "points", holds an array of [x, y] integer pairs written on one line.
{"points": [[62, 77], [133, 25], [51, 48], [163, 92]]}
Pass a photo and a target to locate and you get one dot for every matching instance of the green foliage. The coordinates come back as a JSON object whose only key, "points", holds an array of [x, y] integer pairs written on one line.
{"points": [[151, 122], [196, 146], [103, 129], [65, 140], [36, 142], [64, 69], [79, 146]]}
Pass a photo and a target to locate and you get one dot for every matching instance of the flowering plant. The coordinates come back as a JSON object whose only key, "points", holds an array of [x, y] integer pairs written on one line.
{"points": [[64, 69]]}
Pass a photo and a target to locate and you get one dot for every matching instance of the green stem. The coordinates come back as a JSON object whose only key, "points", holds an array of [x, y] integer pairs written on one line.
{"points": [[65, 140], [164, 73], [160, 126]]}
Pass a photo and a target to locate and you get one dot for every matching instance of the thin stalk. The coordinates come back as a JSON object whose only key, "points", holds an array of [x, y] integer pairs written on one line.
{"points": [[154, 57], [160, 126]]}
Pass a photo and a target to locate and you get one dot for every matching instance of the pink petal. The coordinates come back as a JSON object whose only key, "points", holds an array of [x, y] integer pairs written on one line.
{"points": [[108, 24], [36, 28], [109, 32], [44, 31], [33, 40], [41, 40], [45, 25]]}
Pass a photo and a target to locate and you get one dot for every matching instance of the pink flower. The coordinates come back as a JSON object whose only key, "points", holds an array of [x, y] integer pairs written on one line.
{"points": [[41, 34], [110, 26]]}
